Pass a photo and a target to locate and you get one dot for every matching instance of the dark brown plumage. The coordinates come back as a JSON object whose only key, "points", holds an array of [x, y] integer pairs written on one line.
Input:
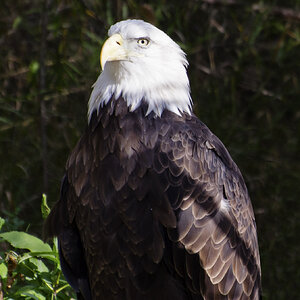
{"points": [[154, 208]]}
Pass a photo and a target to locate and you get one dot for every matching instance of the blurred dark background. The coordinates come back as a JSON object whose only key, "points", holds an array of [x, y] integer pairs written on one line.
{"points": [[244, 71]]}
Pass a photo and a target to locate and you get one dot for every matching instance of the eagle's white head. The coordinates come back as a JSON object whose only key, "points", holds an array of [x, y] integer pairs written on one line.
{"points": [[141, 62]]}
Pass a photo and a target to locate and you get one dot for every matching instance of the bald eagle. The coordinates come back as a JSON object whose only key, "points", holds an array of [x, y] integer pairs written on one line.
{"points": [[152, 206]]}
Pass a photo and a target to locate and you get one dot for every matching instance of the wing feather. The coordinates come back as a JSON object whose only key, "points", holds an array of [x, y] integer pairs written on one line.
{"points": [[215, 219]]}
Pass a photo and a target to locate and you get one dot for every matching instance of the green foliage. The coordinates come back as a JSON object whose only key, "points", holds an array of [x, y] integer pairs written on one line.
{"points": [[244, 72], [31, 270]]}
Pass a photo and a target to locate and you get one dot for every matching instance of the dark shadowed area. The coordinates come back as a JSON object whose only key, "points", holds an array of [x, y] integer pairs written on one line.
{"points": [[245, 80]]}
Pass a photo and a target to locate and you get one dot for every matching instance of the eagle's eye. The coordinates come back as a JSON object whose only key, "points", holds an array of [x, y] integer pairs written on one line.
{"points": [[143, 42]]}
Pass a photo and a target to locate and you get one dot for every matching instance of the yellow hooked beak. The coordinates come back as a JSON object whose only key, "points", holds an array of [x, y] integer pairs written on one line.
{"points": [[113, 49]]}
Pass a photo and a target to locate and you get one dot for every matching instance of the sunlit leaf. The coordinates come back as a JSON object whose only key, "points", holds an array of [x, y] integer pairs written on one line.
{"points": [[41, 267], [24, 240], [44, 207], [3, 270], [53, 256], [2, 221], [30, 291]]}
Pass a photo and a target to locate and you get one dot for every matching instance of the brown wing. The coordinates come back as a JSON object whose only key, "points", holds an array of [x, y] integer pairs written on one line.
{"points": [[215, 218]]}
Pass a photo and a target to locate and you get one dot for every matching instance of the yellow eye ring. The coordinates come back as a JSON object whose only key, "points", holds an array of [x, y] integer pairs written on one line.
{"points": [[143, 42]]}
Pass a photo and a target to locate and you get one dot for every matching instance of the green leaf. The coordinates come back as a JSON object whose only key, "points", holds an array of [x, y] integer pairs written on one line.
{"points": [[44, 207], [28, 270], [2, 221], [41, 267], [23, 240], [3, 270], [53, 256], [31, 291]]}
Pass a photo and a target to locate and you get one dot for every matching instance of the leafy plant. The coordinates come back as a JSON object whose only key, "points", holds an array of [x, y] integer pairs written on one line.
{"points": [[30, 268]]}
